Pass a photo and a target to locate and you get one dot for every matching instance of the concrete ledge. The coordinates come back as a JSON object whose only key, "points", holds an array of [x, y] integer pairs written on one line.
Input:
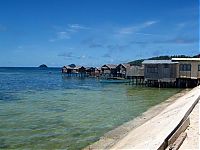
{"points": [[155, 133]]}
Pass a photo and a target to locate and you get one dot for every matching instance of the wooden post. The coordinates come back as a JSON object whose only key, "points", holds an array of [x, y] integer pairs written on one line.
{"points": [[136, 81], [186, 83]]}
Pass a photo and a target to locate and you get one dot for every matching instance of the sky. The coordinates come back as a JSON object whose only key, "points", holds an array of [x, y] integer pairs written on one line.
{"points": [[95, 32]]}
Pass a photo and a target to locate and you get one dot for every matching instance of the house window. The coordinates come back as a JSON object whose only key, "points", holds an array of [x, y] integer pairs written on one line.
{"points": [[185, 67], [166, 66], [188, 67], [198, 67], [152, 70]]}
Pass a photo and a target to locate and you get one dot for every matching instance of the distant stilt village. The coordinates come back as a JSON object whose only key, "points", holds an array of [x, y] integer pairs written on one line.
{"points": [[176, 72]]}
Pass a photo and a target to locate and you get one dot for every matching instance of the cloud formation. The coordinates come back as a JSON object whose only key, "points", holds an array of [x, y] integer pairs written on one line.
{"points": [[77, 27], [135, 28], [93, 42], [96, 45], [70, 55], [67, 32], [63, 35], [178, 40], [66, 55], [117, 47], [107, 55]]}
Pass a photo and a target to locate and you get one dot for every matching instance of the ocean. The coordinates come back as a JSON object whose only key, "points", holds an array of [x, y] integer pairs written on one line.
{"points": [[42, 109]]}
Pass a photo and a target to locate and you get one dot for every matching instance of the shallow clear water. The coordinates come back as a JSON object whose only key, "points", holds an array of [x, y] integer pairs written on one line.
{"points": [[40, 109]]}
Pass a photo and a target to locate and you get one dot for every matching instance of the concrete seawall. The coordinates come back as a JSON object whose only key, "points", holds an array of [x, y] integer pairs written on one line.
{"points": [[155, 133]]}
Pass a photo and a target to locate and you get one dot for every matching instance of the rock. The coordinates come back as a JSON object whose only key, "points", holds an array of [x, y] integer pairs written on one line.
{"points": [[43, 66]]}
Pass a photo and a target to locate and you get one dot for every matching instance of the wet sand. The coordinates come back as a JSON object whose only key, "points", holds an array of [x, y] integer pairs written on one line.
{"points": [[113, 136]]}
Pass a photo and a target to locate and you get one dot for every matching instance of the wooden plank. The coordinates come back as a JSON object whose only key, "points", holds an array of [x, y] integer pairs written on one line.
{"points": [[176, 145], [181, 129]]}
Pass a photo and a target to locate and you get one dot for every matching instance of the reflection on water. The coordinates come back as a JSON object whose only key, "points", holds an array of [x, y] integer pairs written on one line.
{"points": [[39, 110]]}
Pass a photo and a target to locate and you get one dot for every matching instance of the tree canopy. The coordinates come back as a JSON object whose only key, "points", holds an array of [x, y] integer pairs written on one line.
{"points": [[166, 57]]}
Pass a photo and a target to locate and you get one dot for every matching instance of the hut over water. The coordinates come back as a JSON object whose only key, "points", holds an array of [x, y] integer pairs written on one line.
{"points": [[74, 71], [93, 71], [157, 72], [135, 71], [122, 70], [178, 72], [80, 71], [188, 67], [109, 70], [188, 71]]}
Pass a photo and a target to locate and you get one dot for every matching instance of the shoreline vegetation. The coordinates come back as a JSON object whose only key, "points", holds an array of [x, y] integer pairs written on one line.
{"points": [[112, 137], [166, 57]]}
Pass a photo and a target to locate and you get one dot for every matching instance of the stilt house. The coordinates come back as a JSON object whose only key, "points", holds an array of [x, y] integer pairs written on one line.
{"points": [[109, 70], [160, 71], [188, 71]]}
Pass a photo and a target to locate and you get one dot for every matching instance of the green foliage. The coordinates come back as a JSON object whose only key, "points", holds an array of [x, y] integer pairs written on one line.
{"points": [[136, 62], [160, 58], [139, 61], [72, 65], [180, 56], [196, 56]]}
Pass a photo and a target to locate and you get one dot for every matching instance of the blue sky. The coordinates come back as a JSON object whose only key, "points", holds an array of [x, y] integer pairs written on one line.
{"points": [[95, 32]]}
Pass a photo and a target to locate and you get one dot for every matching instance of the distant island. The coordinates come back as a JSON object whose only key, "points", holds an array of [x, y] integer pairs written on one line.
{"points": [[43, 66]]}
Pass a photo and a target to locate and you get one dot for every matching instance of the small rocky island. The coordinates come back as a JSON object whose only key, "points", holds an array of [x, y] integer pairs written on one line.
{"points": [[43, 66]]}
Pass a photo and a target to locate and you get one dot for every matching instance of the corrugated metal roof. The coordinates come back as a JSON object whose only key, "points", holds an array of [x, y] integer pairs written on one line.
{"points": [[126, 65], [111, 66], [158, 62], [186, 59], [78, 67], [67, 67]]}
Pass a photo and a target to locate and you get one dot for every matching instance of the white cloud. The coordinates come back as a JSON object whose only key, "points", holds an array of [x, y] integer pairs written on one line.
{"points": [[66, 55], [140, 33], [70, 54], [127, 30], [77, 27], [83, 56], [67, 33], [63, 35], [135, 28], [149, 23]]}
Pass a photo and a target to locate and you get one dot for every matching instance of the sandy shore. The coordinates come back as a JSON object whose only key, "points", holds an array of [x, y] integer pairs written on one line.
{"points": [[112, 137]]}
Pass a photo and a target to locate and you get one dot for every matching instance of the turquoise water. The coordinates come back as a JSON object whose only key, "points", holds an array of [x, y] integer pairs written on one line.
{"points": [[40, 109]]}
